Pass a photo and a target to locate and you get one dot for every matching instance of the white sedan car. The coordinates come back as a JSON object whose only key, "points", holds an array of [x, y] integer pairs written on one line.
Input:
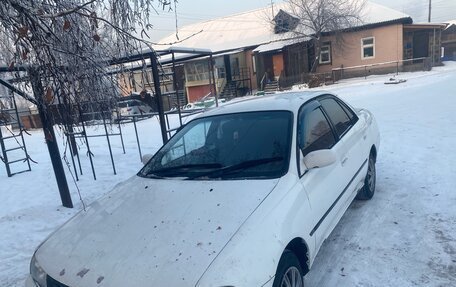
{"points": [[243, 195]]}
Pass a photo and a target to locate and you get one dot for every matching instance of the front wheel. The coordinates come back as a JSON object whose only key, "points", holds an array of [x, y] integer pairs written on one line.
{"points": [[368, 190], [289, 272]]}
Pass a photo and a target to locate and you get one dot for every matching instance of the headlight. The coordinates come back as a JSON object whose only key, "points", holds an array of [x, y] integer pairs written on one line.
{"points": [[37, 273]]}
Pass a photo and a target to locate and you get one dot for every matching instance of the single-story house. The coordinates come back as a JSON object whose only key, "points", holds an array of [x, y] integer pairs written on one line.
{"points": [[449, 41], [259, 47]]}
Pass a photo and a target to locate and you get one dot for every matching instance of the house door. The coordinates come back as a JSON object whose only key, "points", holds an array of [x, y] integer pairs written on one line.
{"points": [[420, 45], [269, 66], [278, 65], [226, 60]]}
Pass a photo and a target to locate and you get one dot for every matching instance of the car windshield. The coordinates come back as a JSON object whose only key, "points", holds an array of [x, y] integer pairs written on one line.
{"points": [[230, 146]]}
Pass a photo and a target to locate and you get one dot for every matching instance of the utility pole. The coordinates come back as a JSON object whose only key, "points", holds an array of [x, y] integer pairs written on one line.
{"points": [[429, 16], [272, 8]]}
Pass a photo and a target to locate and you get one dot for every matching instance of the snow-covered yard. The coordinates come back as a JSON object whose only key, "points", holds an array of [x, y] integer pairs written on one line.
{"points": [[404, 236]]}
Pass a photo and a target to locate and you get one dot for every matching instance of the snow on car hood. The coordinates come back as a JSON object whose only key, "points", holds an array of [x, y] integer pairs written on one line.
{"points": [[151, 232]]}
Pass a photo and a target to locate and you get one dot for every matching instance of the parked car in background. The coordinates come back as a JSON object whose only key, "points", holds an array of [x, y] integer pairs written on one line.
{"points": [[133, 108], [242, 195]]}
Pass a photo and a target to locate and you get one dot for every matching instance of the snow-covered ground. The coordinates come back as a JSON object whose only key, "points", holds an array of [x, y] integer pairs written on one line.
{"points": [[404, 236]]}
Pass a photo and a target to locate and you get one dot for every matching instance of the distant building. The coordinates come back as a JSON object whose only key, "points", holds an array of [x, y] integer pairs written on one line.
{"points": [[259, 50], [449, 41]]}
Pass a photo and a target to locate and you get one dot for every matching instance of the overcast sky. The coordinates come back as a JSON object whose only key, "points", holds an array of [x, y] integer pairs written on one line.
{"points": [[190, 11]]}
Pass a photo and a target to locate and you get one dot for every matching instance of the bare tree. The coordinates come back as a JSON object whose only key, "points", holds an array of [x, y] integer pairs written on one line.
{"points": [[65, 47], [319, 16]]}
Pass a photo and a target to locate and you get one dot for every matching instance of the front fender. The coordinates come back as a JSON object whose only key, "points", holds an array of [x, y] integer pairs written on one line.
{"points": [[251, 257]]}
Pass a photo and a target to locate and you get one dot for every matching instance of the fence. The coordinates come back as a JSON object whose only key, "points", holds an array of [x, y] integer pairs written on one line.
{"points": [[337, 74], [410, 65]]}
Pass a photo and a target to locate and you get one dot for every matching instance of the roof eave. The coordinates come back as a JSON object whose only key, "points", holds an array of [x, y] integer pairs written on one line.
{"points": [[404, 21]]}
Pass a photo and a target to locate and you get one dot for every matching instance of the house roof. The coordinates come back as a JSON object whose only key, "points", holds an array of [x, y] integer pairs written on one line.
{"points": [[421, 26], [450, 23], [254, 28], [241, 30]]}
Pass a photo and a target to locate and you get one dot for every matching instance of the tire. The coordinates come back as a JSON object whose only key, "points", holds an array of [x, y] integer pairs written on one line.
{"points": [[289, 272], [368, 190]]}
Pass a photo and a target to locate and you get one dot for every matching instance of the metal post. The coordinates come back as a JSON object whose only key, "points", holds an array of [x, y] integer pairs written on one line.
{"points": [[70, 137], [213, 78], [161, 114], [5, 155], [72, 158], [20, 129], [87, 142], [51, 142], [137, 138], [176, 89], [109, 144], [167, 122], [433, 50], [79, 162], [120, 132], [209, 66]]}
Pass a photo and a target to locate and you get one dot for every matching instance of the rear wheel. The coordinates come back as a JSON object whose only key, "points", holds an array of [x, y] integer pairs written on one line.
{"points": [[289, 272], [368, 190]]}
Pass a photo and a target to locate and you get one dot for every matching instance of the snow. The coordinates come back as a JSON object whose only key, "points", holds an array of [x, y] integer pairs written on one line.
{"points": [[253, 28], [404, 236], [273, 46]]}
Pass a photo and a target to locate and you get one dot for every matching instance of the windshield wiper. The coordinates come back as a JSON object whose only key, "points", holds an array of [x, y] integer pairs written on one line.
{"points": [[185, 168], [236, 167]]}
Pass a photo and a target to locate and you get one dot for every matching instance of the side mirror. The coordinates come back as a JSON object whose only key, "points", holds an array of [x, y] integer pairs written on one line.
{"points": [[319, 158], [145, 158]]}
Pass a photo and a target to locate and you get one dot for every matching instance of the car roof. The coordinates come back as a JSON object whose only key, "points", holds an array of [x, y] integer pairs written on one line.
{"points": [[288, 101]]}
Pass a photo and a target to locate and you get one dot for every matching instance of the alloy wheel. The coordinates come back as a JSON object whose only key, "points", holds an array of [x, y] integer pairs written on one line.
{"points": [[292, 278]]}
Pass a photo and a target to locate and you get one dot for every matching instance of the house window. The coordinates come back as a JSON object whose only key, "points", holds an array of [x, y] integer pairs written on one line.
{"points": [[325, 53], [254, 64], [197, 71], [368, 48]]}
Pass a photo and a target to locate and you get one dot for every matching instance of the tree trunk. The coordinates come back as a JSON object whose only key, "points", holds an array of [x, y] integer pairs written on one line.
{"points": [[51, 142], [317, 45]]}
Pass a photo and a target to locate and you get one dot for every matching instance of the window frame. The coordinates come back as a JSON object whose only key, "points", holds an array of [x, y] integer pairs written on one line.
{"points": [[326, 44], [312, 104], [307, 108], [287, 159], [363, 46], [344, 107]]}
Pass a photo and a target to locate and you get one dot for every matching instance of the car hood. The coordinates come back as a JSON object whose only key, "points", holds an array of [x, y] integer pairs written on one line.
{"points": [[151, 232]]}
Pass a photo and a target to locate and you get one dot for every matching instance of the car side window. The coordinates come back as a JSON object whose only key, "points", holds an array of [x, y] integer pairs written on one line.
{"points": [[315, 132], [337, 115]]}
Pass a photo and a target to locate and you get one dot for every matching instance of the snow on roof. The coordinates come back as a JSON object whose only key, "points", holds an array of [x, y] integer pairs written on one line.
{"points": [[374, 13], [241, 30], [277, 45], [450, 23], [254, 28]]}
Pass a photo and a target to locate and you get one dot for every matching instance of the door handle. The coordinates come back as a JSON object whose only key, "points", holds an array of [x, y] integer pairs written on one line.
{"points": [[344, 161]]}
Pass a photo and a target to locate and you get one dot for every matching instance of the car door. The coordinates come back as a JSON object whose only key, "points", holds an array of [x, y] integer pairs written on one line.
{"points": [[351, 133], [323, 185]]}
